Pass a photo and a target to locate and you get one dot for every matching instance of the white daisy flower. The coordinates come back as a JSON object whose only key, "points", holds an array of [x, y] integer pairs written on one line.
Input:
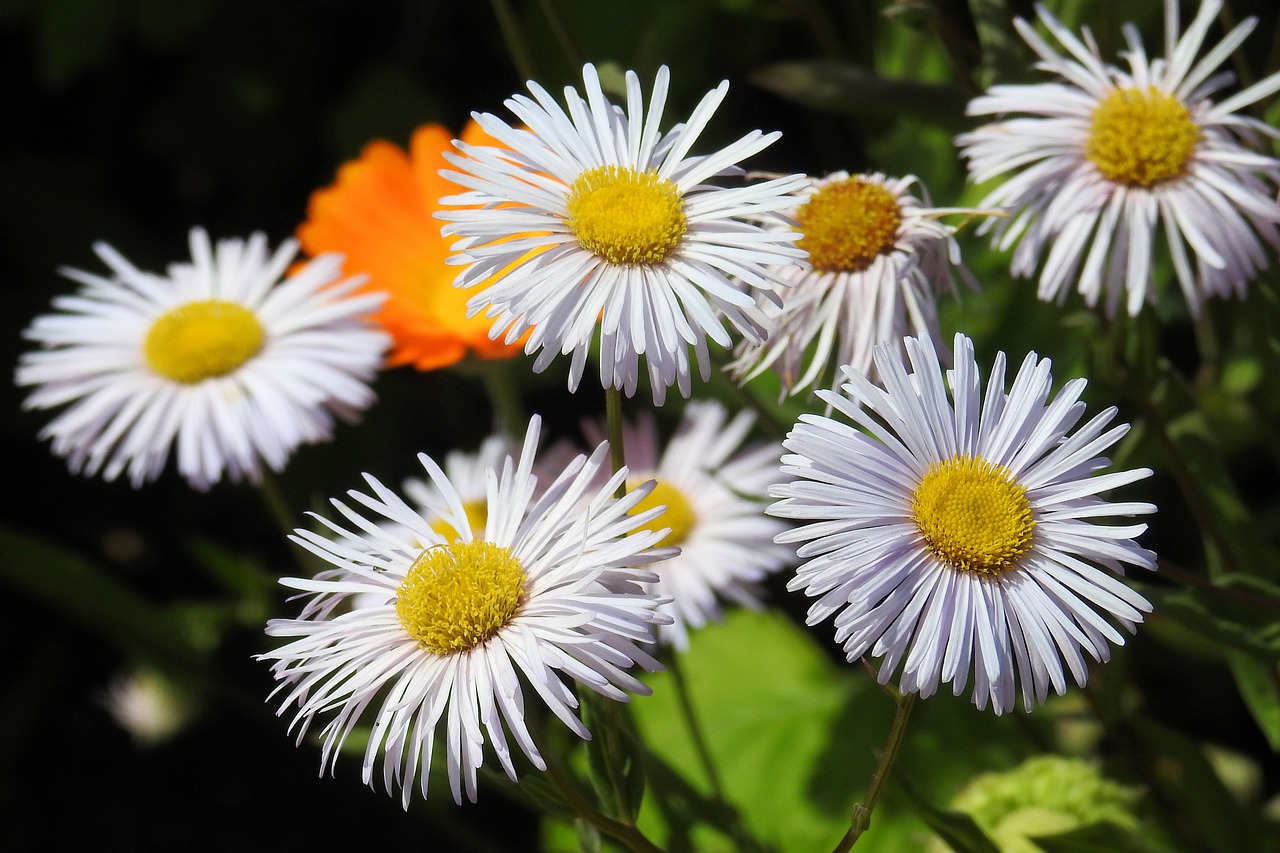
{"points": [[1103, 158], [956, 534], [878, 261], [713, 493], [550, 587], [219, 357], [604, 221]]}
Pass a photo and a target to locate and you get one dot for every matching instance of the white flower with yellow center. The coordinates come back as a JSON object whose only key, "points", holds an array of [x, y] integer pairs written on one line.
{"points": [[549, 591], [955, 535], [878, 261], [1105, 165], [219, 357], [714, 492], [606, 222]]}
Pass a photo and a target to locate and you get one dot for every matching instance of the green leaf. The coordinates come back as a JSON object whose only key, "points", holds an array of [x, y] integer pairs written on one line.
{"points": [[768, 700], [84, 594], [533, 790], [614, 757], [1183, 778], [252, 585], [959, 830], [1002, 51], [1259, 684], [1194, 455], [1219, 616], [838, 87], [794, 734], [1099, 836]]}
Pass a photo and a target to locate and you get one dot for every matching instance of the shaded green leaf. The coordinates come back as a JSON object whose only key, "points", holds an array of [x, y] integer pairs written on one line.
{"points": [[959, 830], [1100, 836], [1186, 781], [1002, 52], [834, 86], [1219, 617], [615, 757], [82, 593], [1259, 684]]}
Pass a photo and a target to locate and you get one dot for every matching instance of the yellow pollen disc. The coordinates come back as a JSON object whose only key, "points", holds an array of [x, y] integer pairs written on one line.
{"points": [[454, 597], [477, 517], [974, 515], [847, 224], [626, 217], [1141, 137], [678, 515], [202, 340]]}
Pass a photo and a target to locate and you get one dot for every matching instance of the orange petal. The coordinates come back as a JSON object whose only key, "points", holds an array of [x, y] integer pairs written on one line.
{"points": [[379, 215]]}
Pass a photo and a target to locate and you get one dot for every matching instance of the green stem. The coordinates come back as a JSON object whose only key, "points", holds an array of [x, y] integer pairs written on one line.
{"points": [[685, 698], [560, 32], [617, 451], [277, 506], [286, 521], [508, 408], [623, 833], [513, 39], [862, 811], [1187, 485], [692, 724], [1207, 343]]}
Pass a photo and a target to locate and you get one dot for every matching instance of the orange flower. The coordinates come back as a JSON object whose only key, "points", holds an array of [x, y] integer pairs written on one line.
{"points": [[379, 215]]}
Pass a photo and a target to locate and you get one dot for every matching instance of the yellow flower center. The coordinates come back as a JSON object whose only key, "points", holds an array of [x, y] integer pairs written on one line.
{"points": [[202, 340], [847, 224], [678, 516], [1141, 137], [477, 516], [974, 515], [626, 217], [454, 597]]}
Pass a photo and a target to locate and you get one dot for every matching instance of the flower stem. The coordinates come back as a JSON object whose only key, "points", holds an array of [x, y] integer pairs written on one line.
{"points": [[740, 838], [617, 452], [278, 508], [694, 727], [561, 32], [623, 833], [508, 409], [862, 811], [511, 36]]}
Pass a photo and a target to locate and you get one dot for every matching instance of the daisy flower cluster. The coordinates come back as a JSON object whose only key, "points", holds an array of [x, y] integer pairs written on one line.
{"points": [[953, 528], [1102, 162]]}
